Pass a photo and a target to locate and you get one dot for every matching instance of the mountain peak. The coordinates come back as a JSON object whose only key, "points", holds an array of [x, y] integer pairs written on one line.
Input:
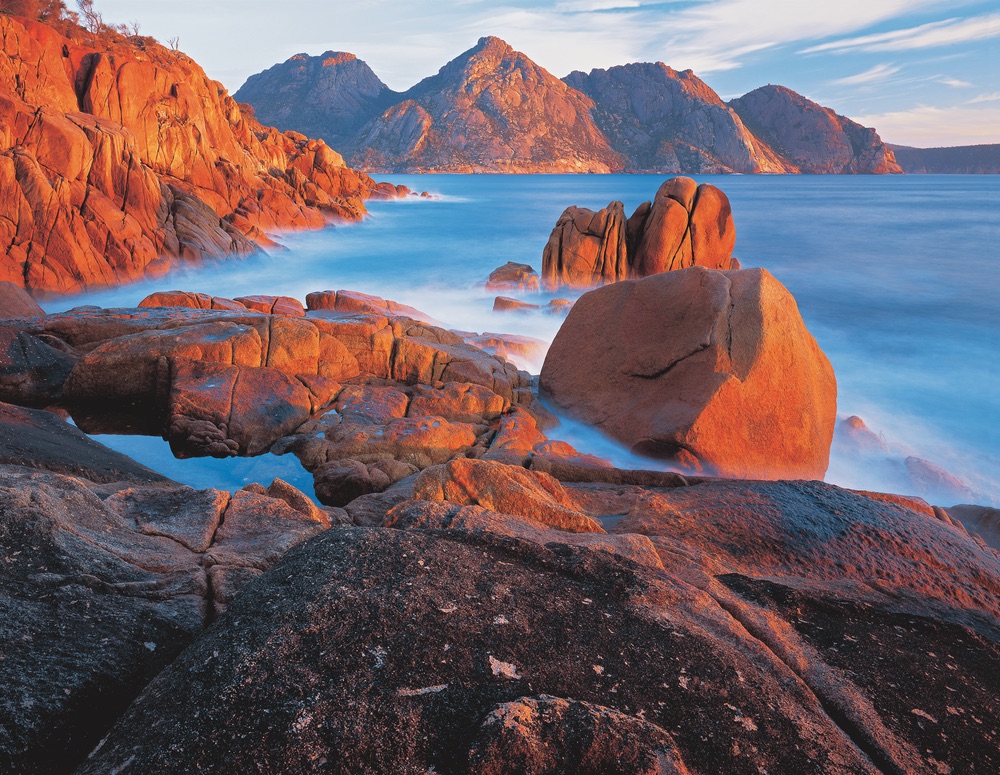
{"points": [[491, 43]]}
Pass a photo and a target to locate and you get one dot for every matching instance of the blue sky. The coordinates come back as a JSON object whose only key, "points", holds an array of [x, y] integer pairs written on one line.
{"points": [[922, 72]]}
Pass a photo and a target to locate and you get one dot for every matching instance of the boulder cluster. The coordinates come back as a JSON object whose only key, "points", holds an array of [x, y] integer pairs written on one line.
{"points": [[685, 225], [473, 596]]}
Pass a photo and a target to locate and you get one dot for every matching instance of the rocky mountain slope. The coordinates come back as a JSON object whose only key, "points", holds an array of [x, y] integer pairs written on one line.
{"points": [[665, 120], [957, 160], [330, 96], [119, 157], [812, 137], [491, 109], [494, 110]]}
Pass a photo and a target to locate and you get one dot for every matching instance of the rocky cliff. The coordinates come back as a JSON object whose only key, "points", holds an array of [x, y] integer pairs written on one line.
{"points": [[330, 96], [668, 121], [813, 138], [119, 156], [491, 109]]}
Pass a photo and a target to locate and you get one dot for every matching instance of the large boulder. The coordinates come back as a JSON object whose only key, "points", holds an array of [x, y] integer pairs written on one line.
{"points": [[685, 225], [16, 302], [713, 370]]}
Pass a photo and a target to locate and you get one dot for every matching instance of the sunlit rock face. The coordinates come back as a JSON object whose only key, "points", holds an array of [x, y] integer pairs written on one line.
{"points": [[119, 157], [685, 225], [663, 120], [811, 137], [491, 109], [714, 370]]}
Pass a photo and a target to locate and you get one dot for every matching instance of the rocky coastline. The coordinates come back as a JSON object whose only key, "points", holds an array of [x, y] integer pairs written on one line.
{"points": [[466, 592], [472, 594]]}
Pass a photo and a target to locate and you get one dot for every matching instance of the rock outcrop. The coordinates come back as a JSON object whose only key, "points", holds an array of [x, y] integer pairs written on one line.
{"points": [[720, 627], [491, 109], [813, 138], [663, 120], [685, 225], [120, 157], [713, 370]]}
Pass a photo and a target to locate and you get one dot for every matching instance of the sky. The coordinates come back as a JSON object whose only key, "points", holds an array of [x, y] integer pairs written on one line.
{"points": [[922, 72]]}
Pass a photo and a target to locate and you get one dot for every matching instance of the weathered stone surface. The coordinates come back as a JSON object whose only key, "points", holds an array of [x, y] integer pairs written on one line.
{"points": [[42, 440], [553, 735], [16, 302], [342, 481], [812, 138], [983, 521], [685, 225], [513, 277], [31, 370], [98, 593], [713, 370], [508, 304], [273, 305], [364, 304], [503, 488], [221, 410], [426, 664], [190, 300], [120, 158]]}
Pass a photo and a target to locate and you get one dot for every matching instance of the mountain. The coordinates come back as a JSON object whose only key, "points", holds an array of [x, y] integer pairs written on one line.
{"points": [[330, 96], [494, 110], [119, 157], [668, 121], [957, 160], [491, 109], [813, 138]]}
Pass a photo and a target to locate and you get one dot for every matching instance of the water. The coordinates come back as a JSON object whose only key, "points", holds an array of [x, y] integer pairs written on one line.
{"points": [[895, 277]]}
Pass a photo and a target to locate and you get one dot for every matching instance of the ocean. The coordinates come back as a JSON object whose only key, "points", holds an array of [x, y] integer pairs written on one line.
{"points": [[895, 276]]}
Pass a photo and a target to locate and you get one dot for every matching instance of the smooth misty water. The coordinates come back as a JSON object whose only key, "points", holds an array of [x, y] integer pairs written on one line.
{"points": [[895, 276]]}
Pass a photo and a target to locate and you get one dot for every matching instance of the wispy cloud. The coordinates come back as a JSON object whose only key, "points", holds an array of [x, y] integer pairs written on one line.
{"points": [[942, 33], [954, 83], [927, 126], [874, 75], [992, 97]]}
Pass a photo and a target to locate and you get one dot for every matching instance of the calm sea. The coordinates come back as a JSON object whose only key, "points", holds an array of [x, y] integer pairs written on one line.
{"points": [[896, 278]]}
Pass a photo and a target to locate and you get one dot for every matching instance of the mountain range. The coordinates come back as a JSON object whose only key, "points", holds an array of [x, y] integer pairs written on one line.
{"points": [[492, 109]]}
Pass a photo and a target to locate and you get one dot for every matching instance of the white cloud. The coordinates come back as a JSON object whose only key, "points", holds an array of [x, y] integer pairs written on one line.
{"points": [[954, 82], [942, 33], [926, 126], [875, 74], [992, 97]]}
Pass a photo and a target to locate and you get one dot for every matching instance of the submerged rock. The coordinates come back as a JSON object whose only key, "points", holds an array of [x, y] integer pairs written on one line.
{"points": [[713, 370]]}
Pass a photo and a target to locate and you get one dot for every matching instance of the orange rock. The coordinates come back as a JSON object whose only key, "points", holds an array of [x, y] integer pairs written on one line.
{"points": [[16, 302], [686, 225], [514, 277], [714, 370], [506, 489], [273, 305], [507, 304], [115, 163]]}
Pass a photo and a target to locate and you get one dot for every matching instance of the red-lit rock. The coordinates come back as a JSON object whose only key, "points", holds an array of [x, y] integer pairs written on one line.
{"points": [[714, 370]]}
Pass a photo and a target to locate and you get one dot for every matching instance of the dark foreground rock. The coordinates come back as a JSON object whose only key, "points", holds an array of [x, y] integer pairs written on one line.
{"points": [[720, 627], [102, 585]]}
